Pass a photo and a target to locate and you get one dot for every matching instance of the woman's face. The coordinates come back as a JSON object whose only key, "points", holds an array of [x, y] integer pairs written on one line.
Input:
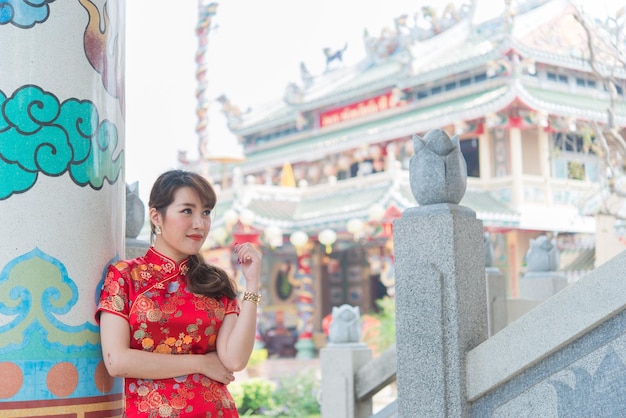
{"points": [[184, 227]]}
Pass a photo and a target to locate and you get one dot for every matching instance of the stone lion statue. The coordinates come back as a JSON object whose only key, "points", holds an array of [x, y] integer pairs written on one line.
{"points": [[542, 255], [135, 211], [345, 326]]}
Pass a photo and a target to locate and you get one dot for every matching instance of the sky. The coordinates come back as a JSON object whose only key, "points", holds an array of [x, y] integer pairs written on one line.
{"points": [[253, 52]]}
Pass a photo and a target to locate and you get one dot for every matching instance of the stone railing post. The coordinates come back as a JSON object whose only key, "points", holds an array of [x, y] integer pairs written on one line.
{"points": [[440, 283], [340, 360], [542, 279]]}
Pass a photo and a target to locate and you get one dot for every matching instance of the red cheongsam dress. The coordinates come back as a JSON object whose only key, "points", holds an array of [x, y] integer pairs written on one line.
{"points": [[150, 292]]}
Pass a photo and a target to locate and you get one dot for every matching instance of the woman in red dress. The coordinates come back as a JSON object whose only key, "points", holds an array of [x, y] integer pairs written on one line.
{"points": [[171, 324]]}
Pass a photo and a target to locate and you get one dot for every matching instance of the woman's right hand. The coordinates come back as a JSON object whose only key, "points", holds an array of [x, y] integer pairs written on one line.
{"points": [[214, 369]]}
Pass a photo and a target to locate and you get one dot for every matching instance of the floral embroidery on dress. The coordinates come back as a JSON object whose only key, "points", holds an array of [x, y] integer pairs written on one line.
{"points": [[166, 318], [168, 267]]}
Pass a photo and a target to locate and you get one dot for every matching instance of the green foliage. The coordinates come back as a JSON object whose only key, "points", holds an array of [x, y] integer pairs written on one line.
{"points": [[257, 396], [293, 396], [297, 396], [382, 334]]}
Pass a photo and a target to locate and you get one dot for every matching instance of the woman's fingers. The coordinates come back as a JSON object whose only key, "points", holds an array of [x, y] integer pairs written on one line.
{"points": [[246, 252]]}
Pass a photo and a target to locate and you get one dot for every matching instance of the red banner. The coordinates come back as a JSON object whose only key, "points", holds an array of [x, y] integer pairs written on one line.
{"points": [[363, 108]]}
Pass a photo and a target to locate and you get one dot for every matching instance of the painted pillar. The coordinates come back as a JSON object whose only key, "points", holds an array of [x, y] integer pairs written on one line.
{"points": [[305, 304], [206, 12], [61, 199]]}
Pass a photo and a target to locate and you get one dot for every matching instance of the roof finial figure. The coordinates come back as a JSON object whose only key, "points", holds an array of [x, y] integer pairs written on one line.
{"points": [[232, 112], [334, 55], [305, 75]]}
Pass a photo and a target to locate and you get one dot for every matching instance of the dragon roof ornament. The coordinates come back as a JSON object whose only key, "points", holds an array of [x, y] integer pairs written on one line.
{"points": [[425, 24]]}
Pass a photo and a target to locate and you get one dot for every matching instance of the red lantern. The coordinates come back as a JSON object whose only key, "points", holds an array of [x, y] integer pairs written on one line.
{"points": [[243, 234]]}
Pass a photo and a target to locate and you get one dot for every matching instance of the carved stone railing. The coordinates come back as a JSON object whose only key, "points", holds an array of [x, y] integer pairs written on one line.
{"points": [[374, 376], [563, 358], [351, 378]]}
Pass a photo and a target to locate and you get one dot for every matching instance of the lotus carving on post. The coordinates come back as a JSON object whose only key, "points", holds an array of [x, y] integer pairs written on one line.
{"points": [[438, 172]]}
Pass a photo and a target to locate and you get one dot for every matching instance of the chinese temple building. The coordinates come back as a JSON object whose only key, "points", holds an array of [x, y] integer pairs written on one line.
{"points": [[324, 170]]}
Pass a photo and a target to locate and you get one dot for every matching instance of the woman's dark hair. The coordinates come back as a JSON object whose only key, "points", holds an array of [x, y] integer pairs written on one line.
{"points": [[202, 278]]}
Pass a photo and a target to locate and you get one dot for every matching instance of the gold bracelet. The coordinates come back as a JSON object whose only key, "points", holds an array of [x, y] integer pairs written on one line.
{"points": [[252, 297]]}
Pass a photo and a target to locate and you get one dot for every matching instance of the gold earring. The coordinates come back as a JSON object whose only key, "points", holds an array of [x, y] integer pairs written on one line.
{"points": [[157, 229]]}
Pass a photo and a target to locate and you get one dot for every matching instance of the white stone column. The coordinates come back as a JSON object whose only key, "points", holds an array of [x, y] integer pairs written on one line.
{"points": [[485, 157], [517, 168], [608, 244], [441, 307], [62, 201], [544, 161]]}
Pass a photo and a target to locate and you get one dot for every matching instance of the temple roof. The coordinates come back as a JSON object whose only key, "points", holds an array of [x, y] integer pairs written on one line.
{"points": [[543, 34], [331, 206], [429, 114], [542, 31]]}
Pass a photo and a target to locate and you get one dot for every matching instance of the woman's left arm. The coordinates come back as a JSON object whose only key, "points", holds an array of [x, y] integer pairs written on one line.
{"points": [[235, 339]]}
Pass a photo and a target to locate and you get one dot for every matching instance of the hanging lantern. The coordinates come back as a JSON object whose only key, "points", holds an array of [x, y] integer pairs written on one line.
{"points": [[327, 237], [220, 235], [243, 234], [231, 217], [571, 124], [246, 217], [274, 236], [356, 227], [299, 239], [376, 212], [242, 230]]}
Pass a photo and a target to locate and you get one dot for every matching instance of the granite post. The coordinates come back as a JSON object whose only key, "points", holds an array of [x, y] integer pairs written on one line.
{"points": [[440, 283], [542, 279], [497, 312], [339, 364], [541, 285], [340, 360]]}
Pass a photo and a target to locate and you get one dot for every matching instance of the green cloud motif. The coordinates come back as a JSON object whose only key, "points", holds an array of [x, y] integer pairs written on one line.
{"points": [[35, 293], [39, 134]]}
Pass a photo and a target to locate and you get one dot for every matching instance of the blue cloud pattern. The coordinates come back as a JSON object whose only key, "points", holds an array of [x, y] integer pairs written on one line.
{"points": [[39, 134], [600, 394], [24, 13]]}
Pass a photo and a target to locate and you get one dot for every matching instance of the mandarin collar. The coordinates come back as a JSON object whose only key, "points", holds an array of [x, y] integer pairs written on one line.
{"points": [[167, 264]]}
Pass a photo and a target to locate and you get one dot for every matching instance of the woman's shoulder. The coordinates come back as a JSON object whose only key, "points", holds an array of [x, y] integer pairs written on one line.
{"points": [[128, 264], [230, 304]]}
